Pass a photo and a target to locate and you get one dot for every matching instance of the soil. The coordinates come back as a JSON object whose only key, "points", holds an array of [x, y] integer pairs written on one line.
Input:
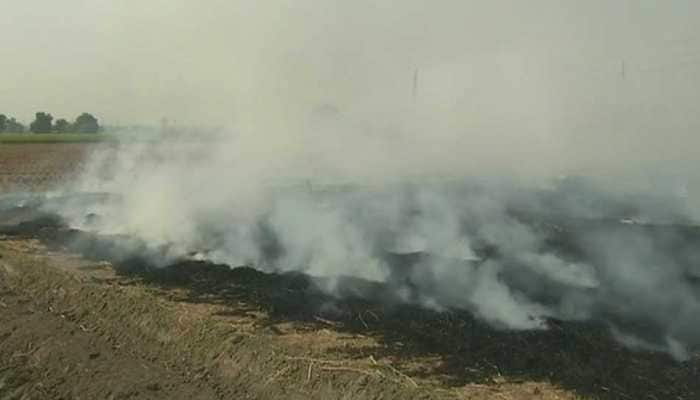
{"points": [[33, 166], [76, 322]]}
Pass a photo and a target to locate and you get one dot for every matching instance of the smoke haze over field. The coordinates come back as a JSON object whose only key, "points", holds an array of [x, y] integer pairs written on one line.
{"points": [[515, 254], [448, 121], [512, 79]]}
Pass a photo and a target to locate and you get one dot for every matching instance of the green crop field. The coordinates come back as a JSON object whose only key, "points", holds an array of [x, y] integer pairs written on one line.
{"points": [[10, 138]]}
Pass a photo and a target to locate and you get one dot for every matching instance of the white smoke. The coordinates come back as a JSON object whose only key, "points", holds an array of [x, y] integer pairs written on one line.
{"points": [[436, 239]]}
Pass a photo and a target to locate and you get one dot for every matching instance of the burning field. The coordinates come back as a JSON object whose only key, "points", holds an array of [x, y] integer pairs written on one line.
{"points": [[176, 282], [350, 200]]}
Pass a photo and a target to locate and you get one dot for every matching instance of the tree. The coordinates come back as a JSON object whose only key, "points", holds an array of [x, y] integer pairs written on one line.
{"points": [[41, 123], [61, 126], [86, 123], [13, 126], [3, 122]]}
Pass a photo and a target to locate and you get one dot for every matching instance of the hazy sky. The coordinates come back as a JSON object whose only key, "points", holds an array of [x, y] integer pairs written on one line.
{"points": [[550, 69]]}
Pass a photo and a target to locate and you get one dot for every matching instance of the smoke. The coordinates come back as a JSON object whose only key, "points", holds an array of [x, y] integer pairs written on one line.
{"points": [[515, 252], [433, 148]]}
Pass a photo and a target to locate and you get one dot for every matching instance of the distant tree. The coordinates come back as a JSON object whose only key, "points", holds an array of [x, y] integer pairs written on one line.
{"points": [[86, 123], [41, 123], [13, 126], [3, 122], [61, 126]]}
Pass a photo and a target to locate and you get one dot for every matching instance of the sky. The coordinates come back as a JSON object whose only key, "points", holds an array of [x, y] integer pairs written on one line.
{"points": [[614, 80], [135, 60]]}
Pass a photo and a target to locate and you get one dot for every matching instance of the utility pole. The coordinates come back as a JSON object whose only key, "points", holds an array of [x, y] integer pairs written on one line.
{"points": [[623, 70]]}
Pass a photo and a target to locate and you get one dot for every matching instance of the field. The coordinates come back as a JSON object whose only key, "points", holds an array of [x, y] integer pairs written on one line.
{"points": [[39, 166], [78, 322], [55, 138]]}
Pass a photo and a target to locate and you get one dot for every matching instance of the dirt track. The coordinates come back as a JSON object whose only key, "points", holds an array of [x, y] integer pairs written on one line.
{"points": [[87, 326]]}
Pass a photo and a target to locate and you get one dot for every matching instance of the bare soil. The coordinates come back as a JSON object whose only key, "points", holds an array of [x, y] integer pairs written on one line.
{"points": [[83, 324], [39, 166]]}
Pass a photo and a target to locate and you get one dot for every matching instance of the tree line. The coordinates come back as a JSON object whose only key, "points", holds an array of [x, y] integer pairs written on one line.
{"points": [[44, 123]]}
